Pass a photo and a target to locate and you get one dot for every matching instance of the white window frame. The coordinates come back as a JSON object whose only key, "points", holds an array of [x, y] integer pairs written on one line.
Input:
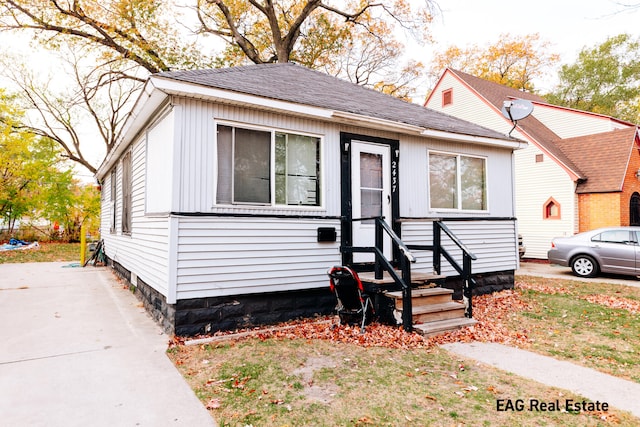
{"points": [[272, 167], [459, 182], [126, 192], [113, 188]]}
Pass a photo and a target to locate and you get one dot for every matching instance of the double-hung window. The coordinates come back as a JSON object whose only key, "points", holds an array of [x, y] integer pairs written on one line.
{"points": [[112, 201], [126, 193], [261, 167], [457, 182]]}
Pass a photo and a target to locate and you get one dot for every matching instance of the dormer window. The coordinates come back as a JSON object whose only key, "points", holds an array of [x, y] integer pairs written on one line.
{"points": [[447, 97]]}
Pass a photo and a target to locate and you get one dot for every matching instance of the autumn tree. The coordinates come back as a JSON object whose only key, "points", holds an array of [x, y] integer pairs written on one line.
{"points": [[512, 61], [126, 40], [353, 40], [605, 79], [30, 167]]}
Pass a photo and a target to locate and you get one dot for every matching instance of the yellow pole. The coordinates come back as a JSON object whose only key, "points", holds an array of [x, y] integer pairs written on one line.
{"points": [[83, 245]]}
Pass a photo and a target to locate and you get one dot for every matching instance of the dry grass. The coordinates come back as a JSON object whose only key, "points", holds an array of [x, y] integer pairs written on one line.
{"points": [[47, 252], [283, 382], [320, 376]]}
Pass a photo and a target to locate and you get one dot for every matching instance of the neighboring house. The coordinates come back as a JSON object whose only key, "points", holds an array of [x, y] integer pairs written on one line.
{"points": [[233, 191], [579, 172]]}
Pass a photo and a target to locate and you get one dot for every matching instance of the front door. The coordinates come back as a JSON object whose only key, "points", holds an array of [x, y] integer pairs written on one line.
{"points": [[371, 194]]}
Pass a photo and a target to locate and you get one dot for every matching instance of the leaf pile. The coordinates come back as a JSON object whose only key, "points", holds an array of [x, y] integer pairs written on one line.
{"points": [[631, 305], [491, 311]]}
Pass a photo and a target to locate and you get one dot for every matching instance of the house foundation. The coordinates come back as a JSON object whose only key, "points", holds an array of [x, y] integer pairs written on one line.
{"points": [[198, 316]]}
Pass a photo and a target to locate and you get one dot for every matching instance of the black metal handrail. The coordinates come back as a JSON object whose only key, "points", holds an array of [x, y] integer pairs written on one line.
{"points": [[467, 257], [383, 264], [468, 283]]}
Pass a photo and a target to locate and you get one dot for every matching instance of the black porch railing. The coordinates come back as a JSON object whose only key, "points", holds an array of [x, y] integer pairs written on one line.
{"points": [[381, 263], [403, 258], [439, 251]]}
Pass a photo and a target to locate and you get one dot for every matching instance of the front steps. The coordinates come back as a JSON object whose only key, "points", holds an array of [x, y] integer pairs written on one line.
{"points": [[434, 311]]}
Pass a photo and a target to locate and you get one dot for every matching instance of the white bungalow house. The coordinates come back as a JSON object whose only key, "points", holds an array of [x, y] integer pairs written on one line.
{"points": [[232, 191], [580, 170]]}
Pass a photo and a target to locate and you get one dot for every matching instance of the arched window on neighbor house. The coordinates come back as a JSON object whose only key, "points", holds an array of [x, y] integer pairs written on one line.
{"points": [[551, 209], [634, 209]]}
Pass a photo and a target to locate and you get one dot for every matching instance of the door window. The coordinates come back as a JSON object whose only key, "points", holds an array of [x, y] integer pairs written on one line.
{"points": [[371, 185]]}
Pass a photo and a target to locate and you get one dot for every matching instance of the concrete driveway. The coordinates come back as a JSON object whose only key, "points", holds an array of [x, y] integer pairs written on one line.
{"points": [[77, 349], [558, 272]]}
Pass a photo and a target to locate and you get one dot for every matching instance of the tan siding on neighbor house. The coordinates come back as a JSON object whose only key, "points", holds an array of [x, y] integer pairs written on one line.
{"points": [[468, 106], [536, 182], [572, 123]]}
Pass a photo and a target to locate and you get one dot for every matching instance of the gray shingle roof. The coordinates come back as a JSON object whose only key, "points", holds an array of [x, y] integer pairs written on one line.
{"points": [[297, 84]]}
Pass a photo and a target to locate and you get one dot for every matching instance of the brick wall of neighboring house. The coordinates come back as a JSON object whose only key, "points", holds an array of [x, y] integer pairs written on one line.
{"points": [[631, 185], [598, 210]]}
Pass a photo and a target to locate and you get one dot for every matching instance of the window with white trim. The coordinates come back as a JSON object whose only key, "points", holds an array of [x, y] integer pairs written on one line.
{"points": [[126, 193], [261, 167], [457, 182], [112, 201]]}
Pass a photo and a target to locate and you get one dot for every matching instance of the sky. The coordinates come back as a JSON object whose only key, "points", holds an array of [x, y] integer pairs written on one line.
{"points": [[569, 25]]}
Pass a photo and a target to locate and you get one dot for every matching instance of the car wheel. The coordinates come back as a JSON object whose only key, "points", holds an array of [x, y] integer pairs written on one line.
{"points": [[584, 266]]}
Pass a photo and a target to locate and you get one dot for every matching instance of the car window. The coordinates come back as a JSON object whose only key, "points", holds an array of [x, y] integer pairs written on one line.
{"points": [[612, 236]]}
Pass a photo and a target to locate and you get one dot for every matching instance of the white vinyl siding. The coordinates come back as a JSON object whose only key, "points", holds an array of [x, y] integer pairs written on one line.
{"points": [[231, 256], [493, 242], [570, 123], [145, 251], [159, 165], [536, 182], [199, 165], [215, 253], [414, 182]]}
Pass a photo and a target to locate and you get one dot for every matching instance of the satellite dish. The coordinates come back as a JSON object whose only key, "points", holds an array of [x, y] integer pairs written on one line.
{"points": [[517, 109]]}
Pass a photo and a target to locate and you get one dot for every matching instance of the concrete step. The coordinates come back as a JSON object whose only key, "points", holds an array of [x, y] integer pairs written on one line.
{"points": [[423, 296], [442, 326]]}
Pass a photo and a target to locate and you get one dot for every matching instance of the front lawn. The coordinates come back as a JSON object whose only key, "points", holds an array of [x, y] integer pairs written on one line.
{"points": [[46, 252], [317, 375]]}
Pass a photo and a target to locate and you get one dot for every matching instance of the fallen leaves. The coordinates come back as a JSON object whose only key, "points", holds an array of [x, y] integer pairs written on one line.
{"points": [[631, 305], [492, 311], [214, 403]]}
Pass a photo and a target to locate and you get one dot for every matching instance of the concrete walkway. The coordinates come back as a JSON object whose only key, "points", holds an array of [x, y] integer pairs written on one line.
{"points": [[586, 382], [76, 349]]}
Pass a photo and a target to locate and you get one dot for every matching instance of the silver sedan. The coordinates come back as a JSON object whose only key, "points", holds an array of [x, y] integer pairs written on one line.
{"points": [[605, 250]]}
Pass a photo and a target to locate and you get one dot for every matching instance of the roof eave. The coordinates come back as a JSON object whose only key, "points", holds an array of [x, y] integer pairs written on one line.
{"points": [[512, 143], [149, 101]]}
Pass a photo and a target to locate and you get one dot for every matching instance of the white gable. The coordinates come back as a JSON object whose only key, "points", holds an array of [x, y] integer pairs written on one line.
{"points": [[568, 123]]}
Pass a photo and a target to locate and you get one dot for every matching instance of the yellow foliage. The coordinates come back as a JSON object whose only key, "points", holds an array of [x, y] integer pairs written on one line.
{"points": [[512, 61]]}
